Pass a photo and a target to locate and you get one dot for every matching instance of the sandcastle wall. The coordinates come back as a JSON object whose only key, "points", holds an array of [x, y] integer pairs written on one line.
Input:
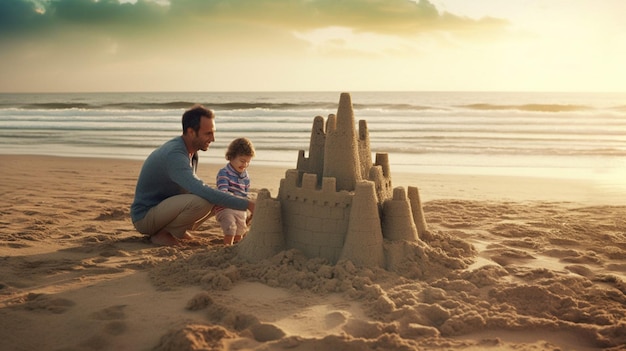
{"points": [[315, 218]]}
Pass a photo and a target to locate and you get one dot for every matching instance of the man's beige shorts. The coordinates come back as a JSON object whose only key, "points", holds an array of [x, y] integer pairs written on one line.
{"points": [[176, 214]]}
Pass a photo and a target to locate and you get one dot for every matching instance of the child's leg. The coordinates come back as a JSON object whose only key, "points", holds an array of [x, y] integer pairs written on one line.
{"points": [[242, 227], [228, 223], [230, 239]]}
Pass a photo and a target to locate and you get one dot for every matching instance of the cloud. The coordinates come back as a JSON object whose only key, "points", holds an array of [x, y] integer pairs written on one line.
{"points": [[69, 44], [29, 18], [152, 18], [227, 27]]}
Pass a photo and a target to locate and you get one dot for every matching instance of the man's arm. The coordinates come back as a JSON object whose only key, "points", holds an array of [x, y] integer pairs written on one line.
{"points": [[182, 174]]}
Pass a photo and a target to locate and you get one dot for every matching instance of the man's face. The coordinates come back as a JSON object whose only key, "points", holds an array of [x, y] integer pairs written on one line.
{"points": [[205, 135]]}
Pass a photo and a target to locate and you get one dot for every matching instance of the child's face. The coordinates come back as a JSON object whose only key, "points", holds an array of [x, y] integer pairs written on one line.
{"points": [[240, 162]]}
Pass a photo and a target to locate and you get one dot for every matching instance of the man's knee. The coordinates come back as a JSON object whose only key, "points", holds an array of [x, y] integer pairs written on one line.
{"points": [[198, 204]]}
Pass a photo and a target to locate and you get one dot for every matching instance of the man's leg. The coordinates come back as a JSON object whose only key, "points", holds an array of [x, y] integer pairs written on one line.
{"points": [[169, 221]]}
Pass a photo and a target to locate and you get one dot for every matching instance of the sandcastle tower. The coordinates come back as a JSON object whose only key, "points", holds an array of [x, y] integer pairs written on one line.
{"points": [[337, 204], [344, 166]]}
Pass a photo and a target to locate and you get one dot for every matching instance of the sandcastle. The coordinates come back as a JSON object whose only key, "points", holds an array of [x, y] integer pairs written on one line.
{"points": [[337, 204]]}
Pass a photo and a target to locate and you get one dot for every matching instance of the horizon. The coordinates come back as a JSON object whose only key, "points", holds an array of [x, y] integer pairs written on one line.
{"points": [[311, 91], [151, 46]]}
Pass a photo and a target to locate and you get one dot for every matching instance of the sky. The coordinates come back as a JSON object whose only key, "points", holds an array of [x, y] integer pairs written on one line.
{"points": [[312, 45]]}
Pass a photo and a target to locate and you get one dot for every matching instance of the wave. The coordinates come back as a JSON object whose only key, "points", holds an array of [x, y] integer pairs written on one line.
{"points": [[107, 106], [621, 108], [173, 105], [530, 107], [477, 129], [503, 151], [313, 106], [285, 106]]}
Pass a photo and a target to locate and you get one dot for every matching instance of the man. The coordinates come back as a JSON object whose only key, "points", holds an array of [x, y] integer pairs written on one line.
{"points": [[169, 198]]}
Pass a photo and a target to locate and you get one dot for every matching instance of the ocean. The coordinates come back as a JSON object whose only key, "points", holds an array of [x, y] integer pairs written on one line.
{"points": [[565, 135]]}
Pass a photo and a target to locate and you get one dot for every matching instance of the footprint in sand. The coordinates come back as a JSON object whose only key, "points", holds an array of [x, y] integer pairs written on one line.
{"points": [[115, 328], [35, 302], [110, 313], [264, 332], [335, 319], [114, 314], [112, 214]]}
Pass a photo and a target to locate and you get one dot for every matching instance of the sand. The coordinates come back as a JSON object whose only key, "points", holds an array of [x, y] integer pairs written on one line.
{"points": [[509, 263]]}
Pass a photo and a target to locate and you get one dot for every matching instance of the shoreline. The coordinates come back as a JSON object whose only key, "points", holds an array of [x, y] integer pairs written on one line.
{"points": [[431, 186]]}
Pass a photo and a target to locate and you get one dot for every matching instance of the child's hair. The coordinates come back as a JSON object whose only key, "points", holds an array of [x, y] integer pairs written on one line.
{"points": [[239, 146]]}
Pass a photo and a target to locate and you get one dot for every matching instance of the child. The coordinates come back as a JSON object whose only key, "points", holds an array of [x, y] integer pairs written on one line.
{"points": [[234, 178]]}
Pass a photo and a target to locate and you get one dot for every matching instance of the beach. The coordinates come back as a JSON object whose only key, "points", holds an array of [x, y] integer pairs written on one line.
{"points": [[509, 263]]}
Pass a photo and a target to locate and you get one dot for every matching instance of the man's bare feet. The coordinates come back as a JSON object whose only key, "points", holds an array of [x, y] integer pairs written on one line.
{"points": [[187, 236], [164, 238]]}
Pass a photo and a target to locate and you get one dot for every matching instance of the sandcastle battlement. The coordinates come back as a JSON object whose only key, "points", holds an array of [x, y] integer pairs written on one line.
{"points": [[337, 204]]}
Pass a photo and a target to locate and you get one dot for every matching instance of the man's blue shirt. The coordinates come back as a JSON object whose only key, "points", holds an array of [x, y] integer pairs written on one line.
{"points": [[169, 171]]}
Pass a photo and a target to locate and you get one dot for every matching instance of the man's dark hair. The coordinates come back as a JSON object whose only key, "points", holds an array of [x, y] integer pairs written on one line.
{"points": [[191, 117]]}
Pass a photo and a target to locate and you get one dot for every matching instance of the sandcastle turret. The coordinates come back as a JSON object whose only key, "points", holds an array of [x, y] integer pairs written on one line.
{"points": [[363, 145], [417, 211], [341, 156], [315, 162], [364, 239], [397, 218], [265, 238], [380, 175]]}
